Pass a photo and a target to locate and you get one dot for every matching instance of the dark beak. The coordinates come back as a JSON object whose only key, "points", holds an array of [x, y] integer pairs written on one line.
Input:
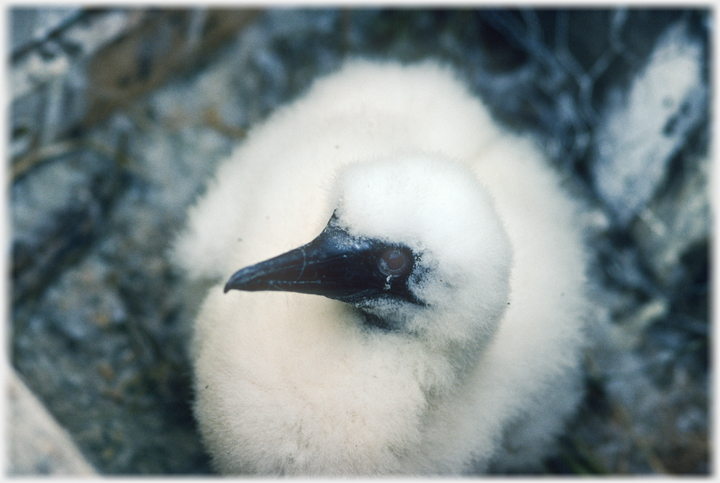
{"points": [[335, 265]]}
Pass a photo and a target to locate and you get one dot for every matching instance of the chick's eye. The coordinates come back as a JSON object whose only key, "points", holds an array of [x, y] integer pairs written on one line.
{"points": [[395, 262]]}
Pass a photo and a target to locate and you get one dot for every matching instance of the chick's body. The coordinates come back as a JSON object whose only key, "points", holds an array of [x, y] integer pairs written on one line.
{"points": [[480, 376]]}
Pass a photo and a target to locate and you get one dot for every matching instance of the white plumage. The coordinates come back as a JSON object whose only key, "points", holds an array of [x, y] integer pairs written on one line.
{"points": [[465, 358]]}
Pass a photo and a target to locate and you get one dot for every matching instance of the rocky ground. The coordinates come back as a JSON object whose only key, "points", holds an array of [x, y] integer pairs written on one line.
{"points": [[118, 117]]}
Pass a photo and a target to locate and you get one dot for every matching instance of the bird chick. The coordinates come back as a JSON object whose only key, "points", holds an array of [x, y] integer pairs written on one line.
{"points": [[413, 296]]}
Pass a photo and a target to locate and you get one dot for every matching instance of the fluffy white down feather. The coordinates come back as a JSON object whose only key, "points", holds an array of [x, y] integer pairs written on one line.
{"points": [[483, 378]]}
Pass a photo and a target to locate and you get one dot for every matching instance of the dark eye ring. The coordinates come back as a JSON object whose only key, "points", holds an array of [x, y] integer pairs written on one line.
{"points": [[395, 262]]}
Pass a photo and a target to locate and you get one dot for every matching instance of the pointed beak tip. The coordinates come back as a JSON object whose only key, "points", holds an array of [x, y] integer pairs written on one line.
{"points": [[230, 284], [233, 284]]}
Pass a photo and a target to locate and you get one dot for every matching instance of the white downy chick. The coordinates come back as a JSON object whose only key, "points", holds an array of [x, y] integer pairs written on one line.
{"points": [[433, 325]]}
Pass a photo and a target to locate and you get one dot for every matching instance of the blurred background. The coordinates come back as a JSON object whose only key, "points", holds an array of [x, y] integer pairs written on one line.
{"points": [[118, 116]]}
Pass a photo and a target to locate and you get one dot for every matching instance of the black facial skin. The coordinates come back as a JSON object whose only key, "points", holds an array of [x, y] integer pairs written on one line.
{"points": [[335, 265]]}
